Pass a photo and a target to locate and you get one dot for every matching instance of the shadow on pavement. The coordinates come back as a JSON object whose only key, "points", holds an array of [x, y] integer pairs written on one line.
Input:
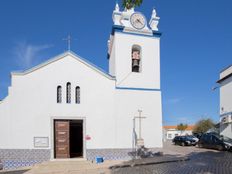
{"points": [[150, 161]]}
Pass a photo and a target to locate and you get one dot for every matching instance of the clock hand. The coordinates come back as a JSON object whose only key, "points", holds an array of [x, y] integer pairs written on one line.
{"points": [[139, 21]]}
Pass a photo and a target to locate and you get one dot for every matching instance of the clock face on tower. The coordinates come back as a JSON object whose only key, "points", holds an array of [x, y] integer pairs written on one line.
{"points": [[138, 21]]}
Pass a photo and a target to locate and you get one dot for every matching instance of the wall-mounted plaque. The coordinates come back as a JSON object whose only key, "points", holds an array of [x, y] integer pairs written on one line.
{"points": [[41, 142]]}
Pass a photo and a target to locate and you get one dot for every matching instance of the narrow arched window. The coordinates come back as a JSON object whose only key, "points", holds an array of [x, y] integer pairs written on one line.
{"points": [[78, 99], [136, 58], [59, 94], [68, 92]]}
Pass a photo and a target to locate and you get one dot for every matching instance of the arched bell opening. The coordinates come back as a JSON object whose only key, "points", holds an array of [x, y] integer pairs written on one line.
{"points": [[136, 58]]}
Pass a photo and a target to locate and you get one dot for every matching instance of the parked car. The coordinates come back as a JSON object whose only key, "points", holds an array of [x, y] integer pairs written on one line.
{"points": [[193, 137], [1, 165], [198, 135], [184, 141], [215, 141], [228, 143]]}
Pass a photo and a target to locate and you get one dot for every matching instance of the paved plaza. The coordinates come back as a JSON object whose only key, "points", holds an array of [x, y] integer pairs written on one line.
{"points": [[207, 162], [176, 160], [201, 161]]}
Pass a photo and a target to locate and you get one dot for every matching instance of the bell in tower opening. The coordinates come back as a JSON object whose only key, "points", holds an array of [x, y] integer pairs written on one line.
{"points": [[135, 55]]}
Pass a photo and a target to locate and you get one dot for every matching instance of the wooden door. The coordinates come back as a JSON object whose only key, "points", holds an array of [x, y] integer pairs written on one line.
{"points": [[62, 139]]}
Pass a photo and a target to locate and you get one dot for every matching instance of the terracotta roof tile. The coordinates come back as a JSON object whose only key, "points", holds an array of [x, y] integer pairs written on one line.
{"points": [[190, 127]]}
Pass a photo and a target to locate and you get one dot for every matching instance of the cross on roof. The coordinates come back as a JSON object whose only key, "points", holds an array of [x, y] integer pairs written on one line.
{"points": [[68, 39]]}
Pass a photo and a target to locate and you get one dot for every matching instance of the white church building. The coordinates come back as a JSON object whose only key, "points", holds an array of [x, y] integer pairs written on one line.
{"points": [[67, 107]]}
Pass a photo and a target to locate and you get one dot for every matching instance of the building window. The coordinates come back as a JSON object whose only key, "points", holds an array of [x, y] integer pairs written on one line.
{"points": [[78, 95], [169, 136], [59, 94], [136, 58], [68, 92]]}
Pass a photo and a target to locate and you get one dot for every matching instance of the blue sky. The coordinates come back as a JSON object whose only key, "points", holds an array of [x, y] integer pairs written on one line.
{"points": [[195, 45]]}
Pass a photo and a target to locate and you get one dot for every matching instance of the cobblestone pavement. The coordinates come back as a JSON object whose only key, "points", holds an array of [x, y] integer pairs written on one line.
{"points": [[202, 161]]}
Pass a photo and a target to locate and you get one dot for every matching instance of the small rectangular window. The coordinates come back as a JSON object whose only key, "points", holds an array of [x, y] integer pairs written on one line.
{"points": [[68, 90], [78, 95], [59, 94]]}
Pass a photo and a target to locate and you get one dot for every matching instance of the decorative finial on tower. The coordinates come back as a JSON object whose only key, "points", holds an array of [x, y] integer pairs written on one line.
{"points": [[116, 14], [153, 13], [117, 9], [154, 21]]}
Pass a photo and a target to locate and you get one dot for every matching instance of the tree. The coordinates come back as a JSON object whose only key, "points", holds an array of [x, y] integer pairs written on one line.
{"points": [[203, 125], [128, 4], [182, 127]]}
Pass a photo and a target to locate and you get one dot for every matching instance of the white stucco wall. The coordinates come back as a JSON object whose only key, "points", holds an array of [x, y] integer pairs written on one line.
{"points": [[31, 106], [128, 102], [32, 102], [226, 106], [127, 106], [226, 96], [149, 76], [112, 62]]}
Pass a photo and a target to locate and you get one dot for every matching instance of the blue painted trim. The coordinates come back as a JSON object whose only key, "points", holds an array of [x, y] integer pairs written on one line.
{"points": [[228, 113], [118, 28], [157, 33], [138, 89]]}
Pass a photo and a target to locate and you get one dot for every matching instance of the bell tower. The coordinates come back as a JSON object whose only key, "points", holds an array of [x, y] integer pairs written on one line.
{"points": [[134, 50]]}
